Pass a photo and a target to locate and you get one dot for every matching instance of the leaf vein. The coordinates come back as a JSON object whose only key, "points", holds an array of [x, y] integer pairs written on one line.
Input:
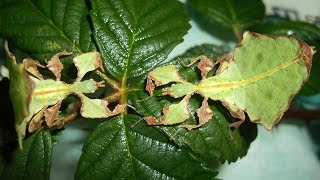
{"points": [[63, 34]]}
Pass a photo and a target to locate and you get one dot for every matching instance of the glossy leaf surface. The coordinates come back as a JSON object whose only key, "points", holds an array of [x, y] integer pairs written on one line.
{"points": [[127, 149], [44, 28], [135, 36], [33, 162], [219, 16]]}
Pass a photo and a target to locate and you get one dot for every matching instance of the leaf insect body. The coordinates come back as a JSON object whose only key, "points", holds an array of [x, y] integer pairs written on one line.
{"points": [[248, 80], [37, 100]]}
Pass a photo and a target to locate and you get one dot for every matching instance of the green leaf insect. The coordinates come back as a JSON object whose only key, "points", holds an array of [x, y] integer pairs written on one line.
{"points": [[259, 78], [37, 100]]}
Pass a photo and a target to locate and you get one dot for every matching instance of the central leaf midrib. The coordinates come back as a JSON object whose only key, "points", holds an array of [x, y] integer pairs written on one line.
{"points": [[233, 14], [53, 90], [56, 27], [28, 155], [99, 156], [123, 126], [128, 59], [233, 84], [148, 164]]}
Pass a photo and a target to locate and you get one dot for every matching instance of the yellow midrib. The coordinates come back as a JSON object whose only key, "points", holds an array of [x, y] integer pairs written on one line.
{"points": [[233, 84], [51, 90]]}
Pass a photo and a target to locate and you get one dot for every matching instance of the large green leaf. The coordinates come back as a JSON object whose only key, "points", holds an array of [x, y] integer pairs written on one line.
{"points": [[214, 140], [44, 28], [307, 32], [221, 16], [124, 148], [33, 162], [135, 36]]}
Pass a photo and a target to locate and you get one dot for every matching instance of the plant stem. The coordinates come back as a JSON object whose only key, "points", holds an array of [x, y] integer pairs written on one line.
{"points": [[123, 93], [306, 115], [108, 80]]}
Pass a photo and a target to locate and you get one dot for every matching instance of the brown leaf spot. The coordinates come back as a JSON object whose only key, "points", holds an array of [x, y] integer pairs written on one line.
{"points": [[151, 120], [205, 65], [234, 110], [55, 65], [307, 53], [36, 121], [226, 57], [204, 113], [33, 126], [150, 86], [98, 62], [31, 66], [119, 109], [256, 35], [52, 114]]}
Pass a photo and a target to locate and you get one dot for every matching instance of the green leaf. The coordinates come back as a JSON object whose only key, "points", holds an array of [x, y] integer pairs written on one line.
{"points": [[223, 16], [249, 74], [135, 36], [211, 141], [306, 32], [124, 148], [43, 28], [20, 90], [33, 162]]}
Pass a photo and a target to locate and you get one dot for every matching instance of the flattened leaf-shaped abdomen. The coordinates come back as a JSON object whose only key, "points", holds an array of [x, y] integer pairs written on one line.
{"points": [[262, 78]]}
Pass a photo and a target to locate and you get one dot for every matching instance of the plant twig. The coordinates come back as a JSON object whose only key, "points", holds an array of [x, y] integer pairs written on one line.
{"points": [[306, 115]]}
